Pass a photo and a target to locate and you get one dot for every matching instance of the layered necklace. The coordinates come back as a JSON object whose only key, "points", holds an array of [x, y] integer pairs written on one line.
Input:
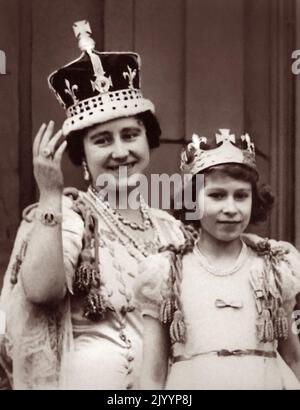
{"points": [[119, 225]]}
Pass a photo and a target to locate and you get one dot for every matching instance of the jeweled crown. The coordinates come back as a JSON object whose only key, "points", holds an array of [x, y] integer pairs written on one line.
{"points": [[98, 86], [199, 155]]}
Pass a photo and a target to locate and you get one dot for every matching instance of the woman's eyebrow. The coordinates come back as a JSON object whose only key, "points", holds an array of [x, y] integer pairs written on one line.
{"points": [[215, 189], [133, 128], [244, 189], [100, 134]]}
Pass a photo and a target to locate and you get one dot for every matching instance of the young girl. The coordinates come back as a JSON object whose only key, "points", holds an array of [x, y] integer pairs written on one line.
{"points": [[218, 309]]}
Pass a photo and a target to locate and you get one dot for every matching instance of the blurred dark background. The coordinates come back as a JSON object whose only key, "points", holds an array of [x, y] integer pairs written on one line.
{"points": [[207, 64]]}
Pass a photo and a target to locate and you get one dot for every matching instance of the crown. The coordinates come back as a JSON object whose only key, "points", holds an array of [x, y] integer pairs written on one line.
{"points": [[198, 155], [98, 86]]}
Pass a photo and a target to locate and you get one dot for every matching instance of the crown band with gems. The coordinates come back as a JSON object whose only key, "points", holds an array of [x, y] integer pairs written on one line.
{"points": [[98, 86], [105, 107], [195, 158]]}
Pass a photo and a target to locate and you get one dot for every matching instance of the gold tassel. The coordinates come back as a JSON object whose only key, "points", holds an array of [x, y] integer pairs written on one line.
{"points": [[177, 328], [269, 331], [167, 310], [264, 327], [94, 307], [281, 324], [18, 263], [84, 277], [260, 328]]}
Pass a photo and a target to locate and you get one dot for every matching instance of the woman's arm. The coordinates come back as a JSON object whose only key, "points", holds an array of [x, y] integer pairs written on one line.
{"points": [[155, 356], [42, 271]]}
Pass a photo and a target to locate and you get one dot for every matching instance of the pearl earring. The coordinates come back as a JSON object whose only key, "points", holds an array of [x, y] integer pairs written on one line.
{"points": [[86, 173]]}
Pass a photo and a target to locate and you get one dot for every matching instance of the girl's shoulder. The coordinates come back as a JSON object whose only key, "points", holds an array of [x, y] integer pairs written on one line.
{"points": [[281, 266], [275, 253]]}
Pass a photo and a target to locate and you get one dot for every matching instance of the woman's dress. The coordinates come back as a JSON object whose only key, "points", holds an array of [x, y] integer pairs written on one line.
{"points": [[61, 348]]}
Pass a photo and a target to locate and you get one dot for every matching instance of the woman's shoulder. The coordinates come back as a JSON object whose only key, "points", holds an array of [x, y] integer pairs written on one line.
{"points": [[163, 215], [170, 227], [151, 283]]}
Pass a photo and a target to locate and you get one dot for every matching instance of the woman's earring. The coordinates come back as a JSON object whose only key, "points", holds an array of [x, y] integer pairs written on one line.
{"points": [[86, 173]]}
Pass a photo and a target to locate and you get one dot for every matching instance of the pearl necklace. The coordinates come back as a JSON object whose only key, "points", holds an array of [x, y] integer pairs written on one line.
{"points": [[221, 272], [121, 232]]}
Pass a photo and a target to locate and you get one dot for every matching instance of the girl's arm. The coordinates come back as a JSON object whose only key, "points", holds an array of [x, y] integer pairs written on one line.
{"points": [[290, 349], [155, 356], [42, 271]]}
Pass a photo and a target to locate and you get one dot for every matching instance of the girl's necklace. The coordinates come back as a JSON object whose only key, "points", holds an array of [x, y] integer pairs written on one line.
{"points": [[222, 272]]}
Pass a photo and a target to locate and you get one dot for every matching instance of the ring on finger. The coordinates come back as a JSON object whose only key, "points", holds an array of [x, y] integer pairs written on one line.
{"points": [[47, 153]]}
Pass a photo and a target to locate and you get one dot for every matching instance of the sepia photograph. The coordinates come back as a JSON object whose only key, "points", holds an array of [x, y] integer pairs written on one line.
{"points": [[150, 196]]}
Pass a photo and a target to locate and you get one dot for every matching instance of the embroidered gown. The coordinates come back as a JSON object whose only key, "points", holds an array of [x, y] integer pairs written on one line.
{"points": [[220, 312], [63, 349]]}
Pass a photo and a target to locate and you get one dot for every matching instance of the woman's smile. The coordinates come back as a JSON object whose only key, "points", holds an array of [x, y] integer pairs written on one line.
{"points": [[118, 148], [229, 222]]}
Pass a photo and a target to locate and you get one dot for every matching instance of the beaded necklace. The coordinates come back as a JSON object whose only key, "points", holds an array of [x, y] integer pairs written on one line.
{"points": [[110, 218], [145, 225], [222, 272]]}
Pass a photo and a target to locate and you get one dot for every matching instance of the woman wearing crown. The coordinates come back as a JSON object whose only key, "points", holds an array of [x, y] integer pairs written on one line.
{"points": [[72, 321], [220, 310]]}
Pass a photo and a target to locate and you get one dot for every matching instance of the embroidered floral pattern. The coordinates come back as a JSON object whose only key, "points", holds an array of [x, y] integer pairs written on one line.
{"points": [[71, 91], [130, 74], [267, 290]]}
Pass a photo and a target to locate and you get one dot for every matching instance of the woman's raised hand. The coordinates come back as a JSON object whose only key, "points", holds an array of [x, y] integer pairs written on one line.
{"points": [[48, 150]]}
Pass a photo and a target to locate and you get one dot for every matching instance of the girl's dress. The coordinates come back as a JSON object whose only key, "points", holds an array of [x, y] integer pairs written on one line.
{"points": [[93, 340], [229, 340]]}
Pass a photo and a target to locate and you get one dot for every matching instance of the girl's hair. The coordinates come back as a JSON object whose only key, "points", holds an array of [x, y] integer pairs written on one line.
{"points": [[75, 139], [262, 197]]}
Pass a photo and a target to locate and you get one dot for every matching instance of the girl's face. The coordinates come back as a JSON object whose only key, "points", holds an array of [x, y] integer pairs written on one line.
{"points": [[227, 206], [117, 143]]}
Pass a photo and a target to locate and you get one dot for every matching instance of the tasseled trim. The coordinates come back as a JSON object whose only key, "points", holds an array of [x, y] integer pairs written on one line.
{"points": [[94, 306], [87, 280], [281, 324], [171, 309], [18, 263], [177, 328], [167, 310], [272, 320], [86, 276]]}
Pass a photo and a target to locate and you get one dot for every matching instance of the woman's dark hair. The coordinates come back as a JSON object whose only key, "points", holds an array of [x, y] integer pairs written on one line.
{"points": [[262, 197], [75, 148]]}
